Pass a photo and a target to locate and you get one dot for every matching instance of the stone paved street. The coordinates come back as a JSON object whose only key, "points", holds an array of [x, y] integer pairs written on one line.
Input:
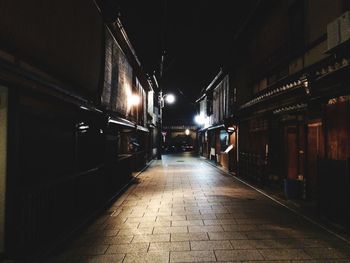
{"points": [[184, 210]]}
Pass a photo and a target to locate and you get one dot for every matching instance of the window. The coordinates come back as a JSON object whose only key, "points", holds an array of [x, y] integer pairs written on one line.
{"points": [[224, 140]]}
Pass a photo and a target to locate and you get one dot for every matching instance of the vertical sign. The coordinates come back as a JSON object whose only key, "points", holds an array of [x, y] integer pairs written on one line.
{"points": [[3, 153]]}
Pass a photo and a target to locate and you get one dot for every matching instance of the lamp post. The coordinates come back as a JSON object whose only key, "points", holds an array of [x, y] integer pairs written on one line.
{"points": [[169, 98]]}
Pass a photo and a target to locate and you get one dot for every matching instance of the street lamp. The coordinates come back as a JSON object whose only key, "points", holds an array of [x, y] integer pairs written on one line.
{"points": [[169, 98]]}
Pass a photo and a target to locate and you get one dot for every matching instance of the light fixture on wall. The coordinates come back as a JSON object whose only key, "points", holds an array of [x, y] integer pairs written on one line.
{"points": [[231, 129], [202, 120], [187, 132], [199, 119], [134, 100]]}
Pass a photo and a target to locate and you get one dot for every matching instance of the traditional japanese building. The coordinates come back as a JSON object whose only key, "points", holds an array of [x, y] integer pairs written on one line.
{"points": [[76, 118], [218, 133], [290, 76]]}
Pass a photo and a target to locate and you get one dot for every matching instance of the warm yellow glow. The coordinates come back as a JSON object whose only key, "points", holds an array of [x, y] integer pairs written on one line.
{"points": [[187, 132], [134, 100]]}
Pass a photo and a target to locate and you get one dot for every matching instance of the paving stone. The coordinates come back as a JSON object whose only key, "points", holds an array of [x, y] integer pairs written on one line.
{"points": [[192, 256], [319, 261], [115, 258], [187, 223], [171, 229], [206, 216], [127, 248], [197, 229], [142, 219], [239, 227], [188, 212], [184, 213], [90, 250], [210, 245], [105, 233], [137, 214], [238, 255], [224, 216], [265, 235], [150, 257], [321, 243], [119, 226], [153, 224], [279, 254], [266, 243], [253, 221], [135, 231], [189, 236], [213, 222], [151, 238], [327, 253], [119, 239], [170, 218], [226, 235], [170, 246]]}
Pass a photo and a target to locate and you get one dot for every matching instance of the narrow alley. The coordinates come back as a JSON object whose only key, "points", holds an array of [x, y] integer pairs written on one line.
{"points": [[129, 131], [182, 209]]}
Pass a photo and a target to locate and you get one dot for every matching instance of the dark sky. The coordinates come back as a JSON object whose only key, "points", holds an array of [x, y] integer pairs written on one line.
{"points": [[196, 35]]}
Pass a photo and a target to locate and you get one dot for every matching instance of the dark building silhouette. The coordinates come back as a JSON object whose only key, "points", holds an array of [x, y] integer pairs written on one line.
{"points": [[77, 118], [285, 107]]}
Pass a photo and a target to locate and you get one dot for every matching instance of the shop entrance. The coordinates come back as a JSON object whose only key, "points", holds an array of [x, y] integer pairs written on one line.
{"points": [[315, 148], [295, 151]]}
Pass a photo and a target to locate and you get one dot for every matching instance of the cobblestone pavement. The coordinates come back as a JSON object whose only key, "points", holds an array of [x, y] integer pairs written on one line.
{"points": [[184, 210]]}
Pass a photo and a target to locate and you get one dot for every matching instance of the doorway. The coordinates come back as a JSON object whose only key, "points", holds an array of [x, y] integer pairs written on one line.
{"points": [[295, 151], [315, 150]]}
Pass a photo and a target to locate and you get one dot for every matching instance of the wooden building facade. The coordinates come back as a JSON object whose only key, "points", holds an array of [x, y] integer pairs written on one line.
{"points": [[69, 127], [290, 87], [217, 138]]}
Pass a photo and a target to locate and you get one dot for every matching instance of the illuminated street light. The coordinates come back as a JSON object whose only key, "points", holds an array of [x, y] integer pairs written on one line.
{"points": [[199, 119], [187, 132], [169, 98]]}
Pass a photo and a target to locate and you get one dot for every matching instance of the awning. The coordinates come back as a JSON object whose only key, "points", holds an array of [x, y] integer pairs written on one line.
{"points": [[151, 125], [141, 128], [216, 127], [122, 122]]}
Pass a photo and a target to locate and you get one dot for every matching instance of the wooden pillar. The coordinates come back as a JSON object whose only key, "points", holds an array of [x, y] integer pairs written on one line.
{"points": [[3, 162]]}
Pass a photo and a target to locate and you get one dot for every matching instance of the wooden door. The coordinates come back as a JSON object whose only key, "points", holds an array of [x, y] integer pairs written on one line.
{"points": [[295, 150], [315, 147], [233, 155], [291, 152]]}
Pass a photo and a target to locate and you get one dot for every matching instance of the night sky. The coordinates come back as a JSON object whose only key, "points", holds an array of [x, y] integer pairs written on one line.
{"points": [[197, 37]]}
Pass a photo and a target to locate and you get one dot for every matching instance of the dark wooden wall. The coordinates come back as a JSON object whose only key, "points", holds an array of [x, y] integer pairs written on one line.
{"points": [[61, 37]]}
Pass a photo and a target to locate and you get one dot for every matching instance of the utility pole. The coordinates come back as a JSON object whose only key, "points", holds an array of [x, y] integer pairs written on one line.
{"points": [[161, 82], [161, 105]]}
